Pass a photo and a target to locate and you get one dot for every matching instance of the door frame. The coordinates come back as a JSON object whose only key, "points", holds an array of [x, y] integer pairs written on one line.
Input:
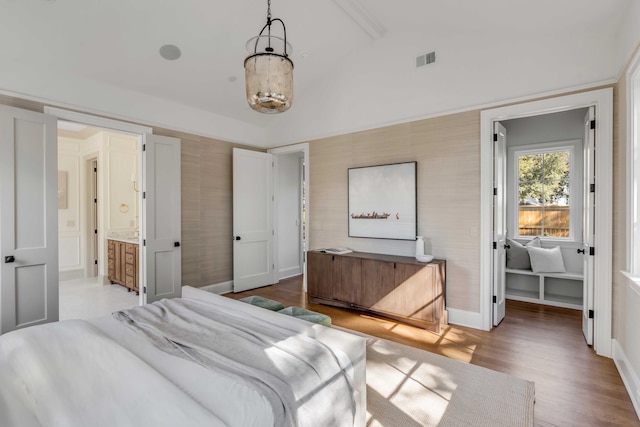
{"points": [[602, 99], [90, 249], [297, 148], [115, 125]]}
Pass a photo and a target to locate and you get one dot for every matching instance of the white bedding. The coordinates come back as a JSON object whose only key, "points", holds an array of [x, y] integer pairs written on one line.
{"points": [[100, 373]]}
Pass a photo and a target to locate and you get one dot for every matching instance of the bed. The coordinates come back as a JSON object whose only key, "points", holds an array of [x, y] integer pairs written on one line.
{"points": [[202, 359]]}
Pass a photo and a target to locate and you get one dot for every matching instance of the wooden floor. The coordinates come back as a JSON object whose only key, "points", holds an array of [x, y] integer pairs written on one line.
{"points": [[574, 386]]}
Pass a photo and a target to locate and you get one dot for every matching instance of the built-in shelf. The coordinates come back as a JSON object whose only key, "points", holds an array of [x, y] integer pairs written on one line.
{"points": [[556, 289]]}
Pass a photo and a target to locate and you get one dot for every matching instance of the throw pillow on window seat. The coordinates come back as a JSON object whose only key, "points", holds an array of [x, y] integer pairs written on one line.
{"points": [[545, 260], [517, 255]]}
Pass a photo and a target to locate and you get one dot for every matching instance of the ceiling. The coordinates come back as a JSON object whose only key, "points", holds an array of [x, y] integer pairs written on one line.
{"points": [[103, 56]]}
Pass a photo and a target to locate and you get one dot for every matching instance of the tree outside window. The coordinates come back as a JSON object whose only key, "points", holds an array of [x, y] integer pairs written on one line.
{"points": [[544, 194]]}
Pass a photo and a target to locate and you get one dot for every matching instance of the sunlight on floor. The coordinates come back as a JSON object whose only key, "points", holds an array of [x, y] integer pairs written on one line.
{"points": [[451, 341], [86, 299]]}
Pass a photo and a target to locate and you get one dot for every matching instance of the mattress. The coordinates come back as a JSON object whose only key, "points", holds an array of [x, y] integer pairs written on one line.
{"points": [[101, 372]]}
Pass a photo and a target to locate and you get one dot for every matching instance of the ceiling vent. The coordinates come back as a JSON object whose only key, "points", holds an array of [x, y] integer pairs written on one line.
{"points": [[425, 59]]}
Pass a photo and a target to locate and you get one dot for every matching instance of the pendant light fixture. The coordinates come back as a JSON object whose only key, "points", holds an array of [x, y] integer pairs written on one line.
{"points": [[268, 70]]}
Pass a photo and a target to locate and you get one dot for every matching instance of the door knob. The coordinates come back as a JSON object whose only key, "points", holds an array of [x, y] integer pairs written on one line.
{"points": [[581, 251], [9, 259], [176, 244], [237, 237]]}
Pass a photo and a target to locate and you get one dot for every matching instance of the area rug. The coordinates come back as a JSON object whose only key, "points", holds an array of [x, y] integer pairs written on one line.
{"points": [[408, 387]]}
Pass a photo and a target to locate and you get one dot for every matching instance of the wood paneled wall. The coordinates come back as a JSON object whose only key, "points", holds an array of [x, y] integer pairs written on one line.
{"points": [[447, 150]]}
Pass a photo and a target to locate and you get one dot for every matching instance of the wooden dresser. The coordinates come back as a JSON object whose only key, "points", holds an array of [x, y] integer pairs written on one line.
{"points": [[393, 286], [123, 258]]}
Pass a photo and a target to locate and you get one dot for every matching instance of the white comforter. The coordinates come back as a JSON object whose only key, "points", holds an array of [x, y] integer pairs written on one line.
{"points": [[100, 373]]}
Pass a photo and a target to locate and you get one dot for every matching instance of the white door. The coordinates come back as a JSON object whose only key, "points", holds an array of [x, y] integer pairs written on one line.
{"points": [[28, 219], [499, 221], [588, 230], [161, 249], [252, 220]]}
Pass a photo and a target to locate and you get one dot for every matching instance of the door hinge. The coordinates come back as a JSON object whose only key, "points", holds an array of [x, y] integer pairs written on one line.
{"points": [[144, 242], [144, 194], [495, 245], [273, 266], [95, 200], [495, 299], [273, 232], [95, 262], [495, 137], [495, 191], [592, 125], [592, 188], [144, 147], [590, 314], [95, 231], [592, 251], [95, 169], [144, 290]]}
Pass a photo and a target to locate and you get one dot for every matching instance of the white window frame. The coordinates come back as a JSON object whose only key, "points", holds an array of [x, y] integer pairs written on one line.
{"points": [[575, 198], [633, 171]]}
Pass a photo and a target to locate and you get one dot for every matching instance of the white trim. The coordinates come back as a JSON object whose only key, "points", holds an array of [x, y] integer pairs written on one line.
{"points": [[602, 99], [634, 281], [633, 165], [218, 288], [96, 121], [482, 106], [469, 319], [629, 376], [304, 147]]}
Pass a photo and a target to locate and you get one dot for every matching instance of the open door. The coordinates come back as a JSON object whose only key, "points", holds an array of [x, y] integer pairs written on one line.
{"points": [[588, 230], [499, 221], [162, 218], [252, 220], [28, 219]]}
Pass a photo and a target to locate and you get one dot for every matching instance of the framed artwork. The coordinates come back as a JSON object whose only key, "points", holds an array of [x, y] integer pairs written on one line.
{"points": [[383, 201]]}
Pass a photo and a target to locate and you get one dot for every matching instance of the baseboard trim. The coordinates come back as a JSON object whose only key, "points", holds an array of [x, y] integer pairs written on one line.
{"points": [[219, 288], [470, 319], [285, 273], [629, 376]]}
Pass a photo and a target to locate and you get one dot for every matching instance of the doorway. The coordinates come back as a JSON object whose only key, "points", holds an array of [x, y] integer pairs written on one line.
{"points": [[545, 204], [98, 206], [602, 100], [292, 209], [270, 215]]}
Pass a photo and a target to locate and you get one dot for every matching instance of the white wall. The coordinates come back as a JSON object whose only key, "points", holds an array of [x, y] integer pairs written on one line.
{"points": [[289, 221]]}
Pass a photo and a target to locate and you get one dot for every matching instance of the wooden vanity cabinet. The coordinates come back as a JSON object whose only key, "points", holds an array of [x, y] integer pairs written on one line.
{"points": [[397, 287], [123, 259]]}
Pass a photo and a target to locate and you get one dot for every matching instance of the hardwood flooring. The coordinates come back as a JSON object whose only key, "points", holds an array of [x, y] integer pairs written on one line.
{"points": [[574, 386]]}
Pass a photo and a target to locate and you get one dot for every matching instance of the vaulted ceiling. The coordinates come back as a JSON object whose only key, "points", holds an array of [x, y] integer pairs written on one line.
{"points": [[354, 59]]}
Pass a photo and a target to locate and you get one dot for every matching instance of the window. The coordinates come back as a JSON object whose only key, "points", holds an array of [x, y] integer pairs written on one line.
{"points": [[633, 183], [544, 194]]}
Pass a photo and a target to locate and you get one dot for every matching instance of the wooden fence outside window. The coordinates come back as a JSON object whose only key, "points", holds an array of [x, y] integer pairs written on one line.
{"points": [[548, 221]]}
